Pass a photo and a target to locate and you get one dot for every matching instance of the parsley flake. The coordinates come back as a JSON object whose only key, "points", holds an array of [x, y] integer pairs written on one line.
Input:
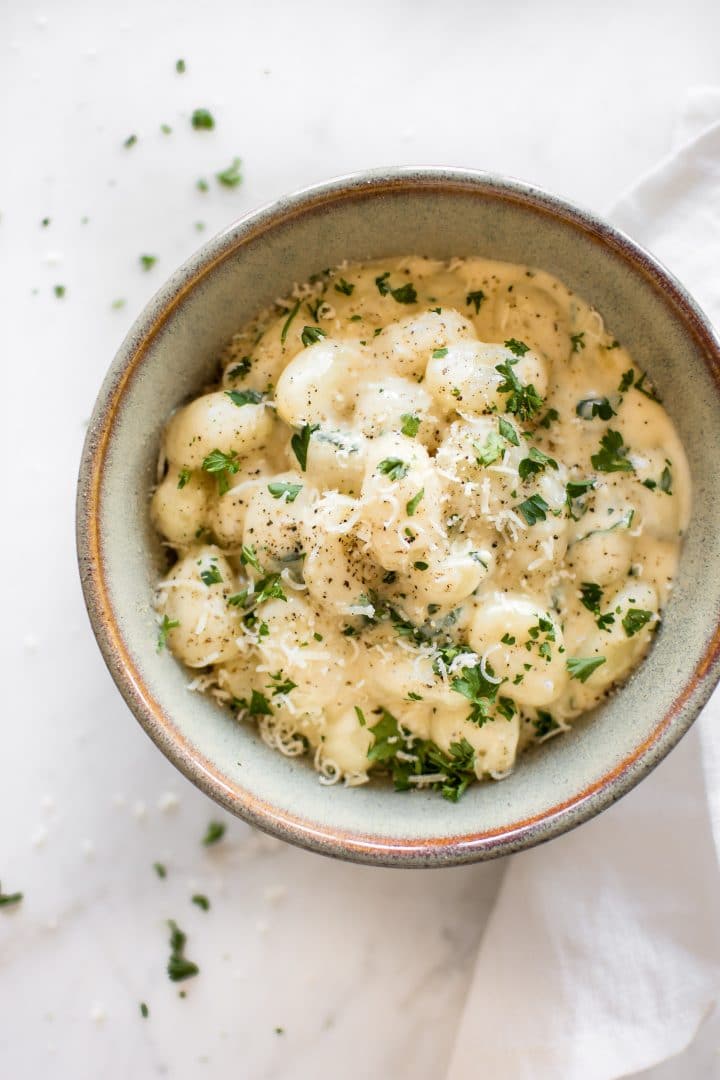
{"points": [[179, 967], [577, 341], [410, 425], [148, 261], [215, 832], [508, 431], [582, 667], [231, 176], [413, 504], [535, 462], [523, 400], [475, 298], [589, 408], [438, 354], [533, 509], [300, 444], [211, 575], [284, 490], [183, 477], [165, 627], [312, 334], [612, 457], [244, 397], [201, 901], [344, 287], [517, 348], [286, 325], [223, 466], [202, 120], [634, 620], [490, 451], [393, 468]]}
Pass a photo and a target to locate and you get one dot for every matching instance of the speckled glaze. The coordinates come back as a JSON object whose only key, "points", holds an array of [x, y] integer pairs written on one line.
{"points": [[171, 352]]}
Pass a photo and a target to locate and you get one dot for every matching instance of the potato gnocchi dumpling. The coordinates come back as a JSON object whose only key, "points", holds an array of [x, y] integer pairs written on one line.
{"points": [[429, 515]]}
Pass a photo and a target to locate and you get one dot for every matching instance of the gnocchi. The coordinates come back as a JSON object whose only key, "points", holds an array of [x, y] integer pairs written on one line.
{"points": [[430, 514]]}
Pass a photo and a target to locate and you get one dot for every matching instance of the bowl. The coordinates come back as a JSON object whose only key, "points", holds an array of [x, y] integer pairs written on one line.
{"points": [[170, 353]]}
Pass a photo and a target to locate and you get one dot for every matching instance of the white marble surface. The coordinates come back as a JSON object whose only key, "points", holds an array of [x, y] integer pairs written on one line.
{"points": [[364, 970]]}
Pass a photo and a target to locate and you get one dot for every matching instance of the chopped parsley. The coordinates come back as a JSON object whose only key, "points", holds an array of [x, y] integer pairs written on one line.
{"points": [[410, 425], [179, 967], [223, 466], [490, 451], [244, 397], [59, 291], [241, 369], [549, 419], [523, 400], [312, 334], [160, 869], [231, 176], [629, 380], [280, 685], [533, 509], [634, 620], [439, 354], [412, 505], [582, 667], [282, 489], [420, 565], [215, 832], [591, 596], [517, 348], [130, 141], [612, 457], [475, 299], [407, 756], [202, 120], [8, 899], [144, 1011], [577, 341], [180, 67], [344, 287], [202, 184], [268, 588], [183, 477], [360, 716], [535, 462], [575, 489], [404, 294], [482, 693], [666, 480], [201, 901], [589, 408], [394, 468], [148, 261], [544, 723], [286, 325], [212, 575], [508, 431], [165, 627], [300, 444]]}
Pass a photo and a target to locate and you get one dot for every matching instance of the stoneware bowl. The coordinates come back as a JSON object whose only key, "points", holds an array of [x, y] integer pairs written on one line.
{"points": [[171, 352]]}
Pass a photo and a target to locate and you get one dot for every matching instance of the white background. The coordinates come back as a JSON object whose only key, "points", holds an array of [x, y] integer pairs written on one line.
{"points": [[365, 970]]}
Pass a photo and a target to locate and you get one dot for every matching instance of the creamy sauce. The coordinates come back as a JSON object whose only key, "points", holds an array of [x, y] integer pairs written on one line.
{"points": [[430, 514]]}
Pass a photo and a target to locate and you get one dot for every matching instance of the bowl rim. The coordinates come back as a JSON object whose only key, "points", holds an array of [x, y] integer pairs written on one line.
{"points": [[292, 827]]}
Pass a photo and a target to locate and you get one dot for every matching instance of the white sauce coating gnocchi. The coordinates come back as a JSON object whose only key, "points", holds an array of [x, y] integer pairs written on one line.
{"points": [[430, 514]]}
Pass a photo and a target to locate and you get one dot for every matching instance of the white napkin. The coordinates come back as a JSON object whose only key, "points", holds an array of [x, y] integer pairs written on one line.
{"points": [[602, 955]]}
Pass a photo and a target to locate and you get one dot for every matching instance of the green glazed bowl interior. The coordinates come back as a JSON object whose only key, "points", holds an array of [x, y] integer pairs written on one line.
{"points": [[171, 352]]}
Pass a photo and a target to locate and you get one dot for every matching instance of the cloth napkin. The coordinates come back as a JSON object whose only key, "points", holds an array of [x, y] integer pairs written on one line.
{"points": [[602, 954]]}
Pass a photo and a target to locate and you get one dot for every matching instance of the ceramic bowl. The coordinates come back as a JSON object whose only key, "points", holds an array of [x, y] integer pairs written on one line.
{"points": [[171, 352]]}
